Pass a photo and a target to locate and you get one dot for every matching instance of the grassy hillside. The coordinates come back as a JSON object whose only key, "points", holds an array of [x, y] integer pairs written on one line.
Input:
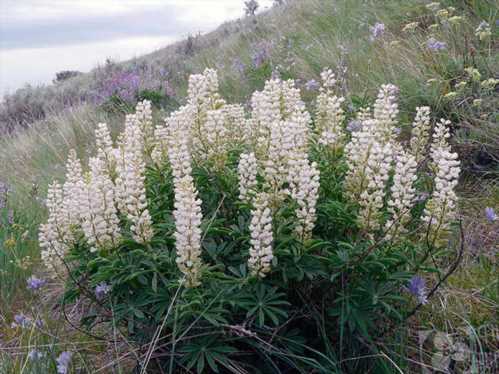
{"points": [[294, 41]]}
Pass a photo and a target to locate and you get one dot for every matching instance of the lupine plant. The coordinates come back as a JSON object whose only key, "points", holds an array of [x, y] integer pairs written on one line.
{"points": [[266, 241]]}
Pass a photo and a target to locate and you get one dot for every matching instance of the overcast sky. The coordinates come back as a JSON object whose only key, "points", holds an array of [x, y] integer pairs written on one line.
{"points": [[40, 37]]}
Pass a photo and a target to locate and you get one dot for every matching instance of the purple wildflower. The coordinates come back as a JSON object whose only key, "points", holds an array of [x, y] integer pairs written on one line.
{"points": [[260, 54], [102, 290], [239, 66], [311, 85], [377, 31], [169, 90], [35, 283], [63, 362], [163, 72], [4, 190], [354, 125], [122, 84], [21, 320], [490, 214], [435, 45], [10, 217], [35, 355], [417, 287]]}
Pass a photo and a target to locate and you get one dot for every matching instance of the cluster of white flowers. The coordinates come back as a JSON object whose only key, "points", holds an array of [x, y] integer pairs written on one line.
{"points": [[278, 140], [329, 114], [304, 183], [72, 188], [143, 118], [105, 150], [441, 209], [420, 134], [386, 112], [188, 217], [98, 212], [178, 142], [55, 236], [440, 139], [282, 146], [370, 155], [376, 174], [130, 181], [247, 171], [187, 212], [90, 204], [403, 194], [261, 254]]}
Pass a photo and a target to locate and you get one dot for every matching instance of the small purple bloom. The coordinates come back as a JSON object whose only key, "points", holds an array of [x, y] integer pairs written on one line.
{"points": [[4, 190], [35, 355], [21, 320], [260, 54], [102, 290], [490, 214], [169, 90], [377, 30], [163, 72], [435, 45], [35, 283], [354, 125], [311, 85], [239, 66], [63, 362], [417, 287], [10, 217]]}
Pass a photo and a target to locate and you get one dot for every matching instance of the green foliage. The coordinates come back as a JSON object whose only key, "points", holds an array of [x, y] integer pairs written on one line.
{"points": [[322, 298]]}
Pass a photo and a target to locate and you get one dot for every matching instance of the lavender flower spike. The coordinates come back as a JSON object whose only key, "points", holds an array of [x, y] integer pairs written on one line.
{"points": [[311, 85], [102, 290], [417, 287], [20, 320], [35, 283], [377, 30], [435, 45], [63, 362], [490, 214]]}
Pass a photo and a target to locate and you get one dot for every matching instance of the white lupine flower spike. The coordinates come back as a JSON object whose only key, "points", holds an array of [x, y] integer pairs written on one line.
{"points": [[420, 134], [441, 209], [247, 171], [99, 216], [261, 255], [130, 182], [329, 114], [188, 217], [55, 235], [402, 195]]}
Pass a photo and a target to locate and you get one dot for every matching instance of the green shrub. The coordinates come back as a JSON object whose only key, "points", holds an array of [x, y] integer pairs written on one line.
{"points": [[222, 243]]}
